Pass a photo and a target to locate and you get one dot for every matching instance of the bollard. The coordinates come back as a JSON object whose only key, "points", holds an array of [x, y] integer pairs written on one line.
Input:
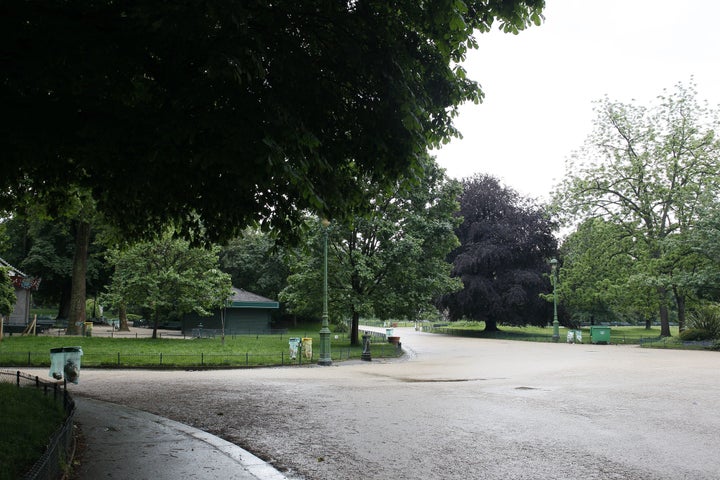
{"points": [[366, 348]]}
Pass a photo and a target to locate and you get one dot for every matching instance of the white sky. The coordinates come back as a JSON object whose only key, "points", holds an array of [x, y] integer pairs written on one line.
{"points": [[540, 85]]}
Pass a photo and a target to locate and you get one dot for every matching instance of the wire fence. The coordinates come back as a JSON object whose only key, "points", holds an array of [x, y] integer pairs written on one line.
{"points": [[201, 359], [60, 446]]}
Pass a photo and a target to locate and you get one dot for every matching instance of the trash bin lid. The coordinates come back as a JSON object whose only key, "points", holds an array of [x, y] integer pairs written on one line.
{"points": [[73, 349], [56, 350]]}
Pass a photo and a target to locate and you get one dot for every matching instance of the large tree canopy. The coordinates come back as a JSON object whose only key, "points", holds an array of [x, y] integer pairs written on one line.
{"points": [[506, 242], [389, 264], [229, 112], [650, 171], [168, 278]]}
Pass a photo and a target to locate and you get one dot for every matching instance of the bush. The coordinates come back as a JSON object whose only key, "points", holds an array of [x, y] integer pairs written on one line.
{"points": [[695, 335], [707, 318]]}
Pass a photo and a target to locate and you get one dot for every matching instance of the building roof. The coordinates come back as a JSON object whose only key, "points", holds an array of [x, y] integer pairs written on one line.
{"points": [[13, 271], [243, 299]]}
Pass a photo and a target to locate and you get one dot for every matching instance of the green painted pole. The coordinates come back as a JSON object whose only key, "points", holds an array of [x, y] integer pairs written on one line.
{"points": [[325, 357]]}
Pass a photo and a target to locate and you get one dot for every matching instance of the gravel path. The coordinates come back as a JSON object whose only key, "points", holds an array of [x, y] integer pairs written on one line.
{"points": [[455, 408]]}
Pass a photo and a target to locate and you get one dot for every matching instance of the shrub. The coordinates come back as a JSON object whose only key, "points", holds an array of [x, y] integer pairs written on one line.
{"points": [[707, 318], [695, 335]]}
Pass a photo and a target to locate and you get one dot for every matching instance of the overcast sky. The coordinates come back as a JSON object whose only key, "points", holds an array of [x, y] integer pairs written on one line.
{"points": [[540, 85]]}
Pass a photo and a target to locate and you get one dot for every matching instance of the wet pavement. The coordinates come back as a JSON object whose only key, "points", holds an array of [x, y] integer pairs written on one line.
{"points": [[126, 443], [455, 408]]}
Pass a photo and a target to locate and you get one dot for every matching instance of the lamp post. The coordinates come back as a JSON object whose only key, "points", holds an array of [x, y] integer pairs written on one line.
{"points": [[556, 324], [325, 358]]}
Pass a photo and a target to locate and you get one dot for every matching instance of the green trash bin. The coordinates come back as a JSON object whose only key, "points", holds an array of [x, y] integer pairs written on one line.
{"points": [[600, 334]]}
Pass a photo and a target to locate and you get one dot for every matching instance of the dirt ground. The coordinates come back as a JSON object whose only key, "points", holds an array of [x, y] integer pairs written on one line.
{"points": [[455, 408]]}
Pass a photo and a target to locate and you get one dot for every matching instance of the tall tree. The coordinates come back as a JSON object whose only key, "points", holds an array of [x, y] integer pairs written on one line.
{"points": [[505, 244], [389, 264], [278, 105], [168, 278], [597, 278], [648, 171], [7, 296], [255, 263]]}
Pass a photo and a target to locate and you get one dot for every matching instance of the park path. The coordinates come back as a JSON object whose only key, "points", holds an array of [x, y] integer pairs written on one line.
{"points": [[455, 408]]}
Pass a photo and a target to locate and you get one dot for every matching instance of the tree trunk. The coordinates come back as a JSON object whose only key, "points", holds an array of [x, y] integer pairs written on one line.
{"points": [[64, 303], [76, 316], [354, 329], [648, 323], [156, 320], [664, 316], [680, 302], [491, 326], [122, 313]]}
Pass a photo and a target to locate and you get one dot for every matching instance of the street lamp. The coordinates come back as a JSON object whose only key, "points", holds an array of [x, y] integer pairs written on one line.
{"points": [[556, 324], [325, 358]]}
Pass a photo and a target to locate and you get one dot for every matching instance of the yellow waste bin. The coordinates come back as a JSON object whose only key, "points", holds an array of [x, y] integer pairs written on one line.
{"points": [[307, 347]]}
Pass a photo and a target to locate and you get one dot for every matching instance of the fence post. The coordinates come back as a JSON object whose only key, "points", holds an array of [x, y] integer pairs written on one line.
{"points": [[28, 359], [118, 359], [202, 359], [247, 358], [17, 381]]}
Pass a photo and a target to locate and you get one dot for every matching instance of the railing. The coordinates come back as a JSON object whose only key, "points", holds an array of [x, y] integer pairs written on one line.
{"points": [[171, 360], [60, 446]]}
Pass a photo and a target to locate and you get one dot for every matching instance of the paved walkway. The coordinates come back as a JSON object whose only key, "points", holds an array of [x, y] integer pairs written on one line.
{"points": [[125, 443]]}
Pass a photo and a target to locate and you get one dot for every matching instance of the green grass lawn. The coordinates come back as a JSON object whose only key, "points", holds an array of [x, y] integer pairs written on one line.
{"points": [[237, 350], [618, 335], [29, 418]]}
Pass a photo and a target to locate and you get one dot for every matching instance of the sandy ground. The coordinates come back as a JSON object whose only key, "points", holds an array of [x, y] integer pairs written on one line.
{"points": [[455, 408]]}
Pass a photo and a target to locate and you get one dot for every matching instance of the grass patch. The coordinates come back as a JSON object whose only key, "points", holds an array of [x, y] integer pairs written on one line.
{"points": [[237, 350], [618, 335], [28, 420]]}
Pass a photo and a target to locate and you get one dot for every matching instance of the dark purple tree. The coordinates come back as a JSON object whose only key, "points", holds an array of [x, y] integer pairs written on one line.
{"points": [[506, 242]]}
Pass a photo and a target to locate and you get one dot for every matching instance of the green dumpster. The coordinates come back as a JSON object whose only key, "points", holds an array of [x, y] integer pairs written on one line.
{"points": [[600, 335]]}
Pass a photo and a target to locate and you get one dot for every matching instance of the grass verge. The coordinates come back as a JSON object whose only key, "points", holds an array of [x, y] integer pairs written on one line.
{"points": [[236, 351], [29, 419]]}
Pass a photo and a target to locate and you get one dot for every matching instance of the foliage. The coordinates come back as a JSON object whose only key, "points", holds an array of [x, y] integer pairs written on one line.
{"points": [[44, 248], [706, 318], [168, 278], [7, 293], [597, 276], [695, 335], [389, 264], [649, 172], [168, 109], [505, 243], [256, 263]]}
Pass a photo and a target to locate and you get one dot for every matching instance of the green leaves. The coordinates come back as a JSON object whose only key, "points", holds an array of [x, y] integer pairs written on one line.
{"points": [[648, 172], [7, 293], [167, 111], [168, 278]]}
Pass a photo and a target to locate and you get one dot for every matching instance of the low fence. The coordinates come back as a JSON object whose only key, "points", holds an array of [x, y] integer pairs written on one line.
{"points": [[172, 360], [142, 332], [615, 338], [60, 446]]}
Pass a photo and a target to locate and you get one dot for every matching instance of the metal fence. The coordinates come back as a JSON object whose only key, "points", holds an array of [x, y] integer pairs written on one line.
{"points": [[58, 454], [172, 360]]}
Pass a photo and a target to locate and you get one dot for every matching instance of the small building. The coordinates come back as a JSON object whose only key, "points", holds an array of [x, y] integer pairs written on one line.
{"points": [[24, 286], [245, 312]]}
